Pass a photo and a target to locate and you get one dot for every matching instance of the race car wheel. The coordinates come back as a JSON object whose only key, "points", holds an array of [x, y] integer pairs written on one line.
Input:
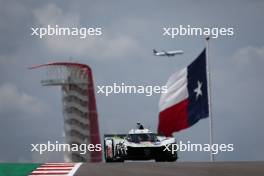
{"points": [[106, 152], [166, 157]]}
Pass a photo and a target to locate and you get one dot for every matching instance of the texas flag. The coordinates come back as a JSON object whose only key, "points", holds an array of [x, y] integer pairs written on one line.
{"points": [[186, 99]]}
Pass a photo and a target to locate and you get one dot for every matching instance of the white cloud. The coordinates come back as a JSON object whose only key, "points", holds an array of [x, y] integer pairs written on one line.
{"points": [[51, 14], [248, 55], [97, 47], [13, 101], [248, 65]]}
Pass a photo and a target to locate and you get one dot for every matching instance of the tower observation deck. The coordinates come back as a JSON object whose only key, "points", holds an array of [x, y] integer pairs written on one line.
{"points": [[79, 106]]}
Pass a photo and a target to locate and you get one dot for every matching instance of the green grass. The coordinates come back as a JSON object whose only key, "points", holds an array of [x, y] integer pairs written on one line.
{"points": [[14, 169]]}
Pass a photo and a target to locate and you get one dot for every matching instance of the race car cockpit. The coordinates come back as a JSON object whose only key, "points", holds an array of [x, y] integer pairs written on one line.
{"points": [[137, 138]]}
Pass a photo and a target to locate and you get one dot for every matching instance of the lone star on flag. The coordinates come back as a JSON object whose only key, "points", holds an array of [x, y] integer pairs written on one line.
{"points": [[198, 90]]}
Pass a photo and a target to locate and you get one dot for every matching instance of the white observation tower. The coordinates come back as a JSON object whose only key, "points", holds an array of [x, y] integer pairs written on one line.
{"points": [[79, 106]]}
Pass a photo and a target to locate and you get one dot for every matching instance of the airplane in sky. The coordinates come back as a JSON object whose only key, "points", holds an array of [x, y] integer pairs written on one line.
{"points": [[167, 53]]}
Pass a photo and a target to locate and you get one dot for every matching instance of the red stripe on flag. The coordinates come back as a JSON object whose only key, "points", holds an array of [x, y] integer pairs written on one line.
{"points": [[174, 118]]}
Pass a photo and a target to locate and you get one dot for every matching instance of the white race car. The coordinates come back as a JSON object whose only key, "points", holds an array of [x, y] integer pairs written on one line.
{"points": [[138, 144]]}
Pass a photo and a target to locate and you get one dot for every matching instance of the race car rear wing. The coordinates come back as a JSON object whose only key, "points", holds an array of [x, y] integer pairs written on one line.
{"points": [[124, 135], [115, 135]]}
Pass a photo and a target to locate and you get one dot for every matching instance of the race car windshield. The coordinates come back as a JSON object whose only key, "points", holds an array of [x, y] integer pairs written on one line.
{"points": [[142, 138]]}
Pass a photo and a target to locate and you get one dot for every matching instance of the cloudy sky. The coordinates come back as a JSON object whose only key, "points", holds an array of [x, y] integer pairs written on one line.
{"points": [[30, 113]]}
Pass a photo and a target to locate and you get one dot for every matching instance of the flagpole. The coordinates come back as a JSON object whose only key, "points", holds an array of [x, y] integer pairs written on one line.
{"points": [[209, 98]]}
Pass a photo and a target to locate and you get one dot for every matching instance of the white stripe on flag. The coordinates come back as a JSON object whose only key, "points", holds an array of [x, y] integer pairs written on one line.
{"points": [[177, 90]]}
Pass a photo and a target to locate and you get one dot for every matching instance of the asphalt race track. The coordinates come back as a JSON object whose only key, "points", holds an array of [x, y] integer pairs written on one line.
{"points": [[169, 169]]}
